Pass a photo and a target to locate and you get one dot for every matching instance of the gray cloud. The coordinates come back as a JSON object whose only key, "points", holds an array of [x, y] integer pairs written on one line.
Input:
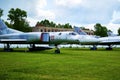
{"points": [[90, 11]]}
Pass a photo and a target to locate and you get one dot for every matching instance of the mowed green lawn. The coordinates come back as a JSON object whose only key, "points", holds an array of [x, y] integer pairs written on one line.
{"points": [[71, 64]]}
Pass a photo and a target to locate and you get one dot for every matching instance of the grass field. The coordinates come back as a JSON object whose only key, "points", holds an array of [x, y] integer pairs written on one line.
{"points": [[71, 64]]}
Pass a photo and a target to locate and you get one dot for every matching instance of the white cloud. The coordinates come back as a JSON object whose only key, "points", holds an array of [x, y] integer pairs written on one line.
{"points": [[32, 21], [116, 17], [87, 11], [45, 14], [99, 4], [113, 27], [68, 3], [41, 3], [41, 12], [69, 11]]}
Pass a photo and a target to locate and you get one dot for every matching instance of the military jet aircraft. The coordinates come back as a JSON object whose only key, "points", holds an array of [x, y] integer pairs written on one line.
{"points": [[95, 40], [10, 36]]}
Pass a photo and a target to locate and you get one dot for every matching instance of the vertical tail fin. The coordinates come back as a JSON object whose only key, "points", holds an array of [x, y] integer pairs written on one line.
{"points": [[3, 27], [5, 30], [79, 31], [109, 33]]}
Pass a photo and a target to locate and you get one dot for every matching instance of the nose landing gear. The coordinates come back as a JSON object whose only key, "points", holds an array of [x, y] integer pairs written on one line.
{"points": [[94, 47], [109, 47]]}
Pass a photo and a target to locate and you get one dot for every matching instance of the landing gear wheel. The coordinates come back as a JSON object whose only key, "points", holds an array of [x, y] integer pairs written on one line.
{"points": [[57, 49], [109, 47], [93, 48]]}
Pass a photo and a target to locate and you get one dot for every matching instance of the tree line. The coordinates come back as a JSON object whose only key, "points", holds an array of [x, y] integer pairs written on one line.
{"points": [[18, 21], [48, 23]]}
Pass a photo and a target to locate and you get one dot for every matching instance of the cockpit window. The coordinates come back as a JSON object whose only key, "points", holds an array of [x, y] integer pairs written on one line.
{"points": [[72, 34], [59, 33]]}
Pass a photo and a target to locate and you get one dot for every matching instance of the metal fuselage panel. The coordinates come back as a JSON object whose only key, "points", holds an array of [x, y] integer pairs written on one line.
{"points": [[63, 38], [110, 40], [29, 37], [88, 40], [41, 38]]}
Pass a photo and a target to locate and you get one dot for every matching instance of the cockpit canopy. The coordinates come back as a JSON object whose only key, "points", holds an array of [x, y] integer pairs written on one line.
{"points": [[72, 33]]}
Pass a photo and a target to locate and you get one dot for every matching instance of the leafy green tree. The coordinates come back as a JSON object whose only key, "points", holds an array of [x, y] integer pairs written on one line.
{"points": [[109, 31], [17, 19], [104, 31], [67, 25], [59, 26], [52, 24], [45, 23], [97, 29], [82, 27], [1, 12], [119, 31], [48, 23], [9, 25], [100, 30]]}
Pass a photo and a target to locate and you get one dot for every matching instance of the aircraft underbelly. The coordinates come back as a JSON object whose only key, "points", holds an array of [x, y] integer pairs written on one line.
{"points": [[64, 41], [88, 42]]}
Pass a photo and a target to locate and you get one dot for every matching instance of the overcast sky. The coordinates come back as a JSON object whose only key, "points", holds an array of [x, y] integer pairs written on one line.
{"points": [[76, 12]]}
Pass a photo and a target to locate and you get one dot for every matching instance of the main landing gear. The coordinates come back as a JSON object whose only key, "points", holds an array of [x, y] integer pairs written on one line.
{"points": [[109, 47], [94, 47], [34, 48], [57, 49]]}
